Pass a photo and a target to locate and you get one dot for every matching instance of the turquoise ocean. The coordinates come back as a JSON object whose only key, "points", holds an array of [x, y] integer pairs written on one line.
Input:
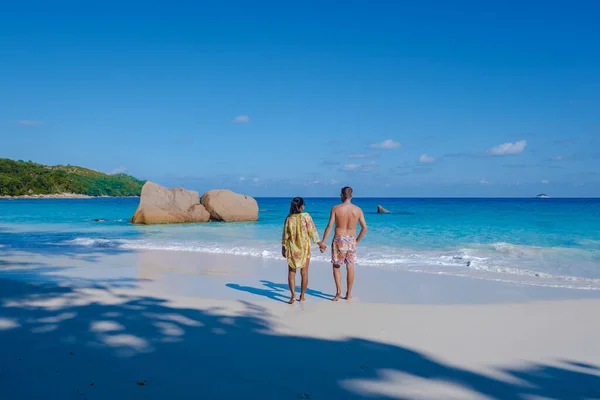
{"points": [[546, 242]]}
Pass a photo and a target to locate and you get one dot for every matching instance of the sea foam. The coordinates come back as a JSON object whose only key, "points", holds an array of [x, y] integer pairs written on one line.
{"points": [[475, 262]]}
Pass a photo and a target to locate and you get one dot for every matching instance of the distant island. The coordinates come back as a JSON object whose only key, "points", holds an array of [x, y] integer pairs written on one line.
{"points": [[29, 179], [542, 196]]}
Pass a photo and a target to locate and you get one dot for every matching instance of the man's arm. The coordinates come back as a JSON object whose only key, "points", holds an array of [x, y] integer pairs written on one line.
{"points": [[363, 227], [329, 225]]}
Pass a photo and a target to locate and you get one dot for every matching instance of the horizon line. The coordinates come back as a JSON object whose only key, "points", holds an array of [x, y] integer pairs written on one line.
{"points": [[428, 197]]}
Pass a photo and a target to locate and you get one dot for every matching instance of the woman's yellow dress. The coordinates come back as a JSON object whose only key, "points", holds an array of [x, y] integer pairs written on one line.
{"points": [[298, 231]]}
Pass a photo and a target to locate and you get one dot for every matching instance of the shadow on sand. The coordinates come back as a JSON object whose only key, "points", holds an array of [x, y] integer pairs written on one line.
{"points": [[277, 291], [61, 342], [61, 245]]}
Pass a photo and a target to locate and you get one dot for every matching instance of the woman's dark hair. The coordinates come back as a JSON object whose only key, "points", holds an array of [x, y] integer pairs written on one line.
{"points": [[297, 204]]}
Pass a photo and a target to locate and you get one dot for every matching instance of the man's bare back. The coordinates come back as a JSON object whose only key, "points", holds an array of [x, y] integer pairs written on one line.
{"points": [[346, 216], [343, 248]]}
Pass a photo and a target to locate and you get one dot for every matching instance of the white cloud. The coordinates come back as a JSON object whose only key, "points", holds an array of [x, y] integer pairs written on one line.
{"points": [[558, 158], [425, 159], [545, 181], [246, 179], [30, 123], [360, 167], [330, 163], [386, 144], [483, 182], [241, 119], [120, 170], [361, 155], [505, 149], [325, 182]]}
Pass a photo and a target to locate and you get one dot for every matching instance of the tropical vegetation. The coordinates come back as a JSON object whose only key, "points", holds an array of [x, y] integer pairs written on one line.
{"points": [[19, 178]]}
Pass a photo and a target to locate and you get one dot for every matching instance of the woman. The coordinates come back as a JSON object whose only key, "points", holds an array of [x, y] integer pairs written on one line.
{"points": [[298, 231]]}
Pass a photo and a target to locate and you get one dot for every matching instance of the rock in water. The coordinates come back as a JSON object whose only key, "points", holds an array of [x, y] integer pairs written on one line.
{"points": [[159, 205], [381, 210], [199, 213], [227, 206]]}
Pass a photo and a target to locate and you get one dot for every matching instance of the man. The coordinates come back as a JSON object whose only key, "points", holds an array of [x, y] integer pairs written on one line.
{"points": [[343, 248]]}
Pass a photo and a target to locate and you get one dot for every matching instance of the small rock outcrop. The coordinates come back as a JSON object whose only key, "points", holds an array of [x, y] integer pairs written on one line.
{"points": [[227, 206], [381, 210], [159, 205]]}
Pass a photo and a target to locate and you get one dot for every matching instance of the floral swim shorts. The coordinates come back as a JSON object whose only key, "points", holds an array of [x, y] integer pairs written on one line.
{"points": [[343, 250]]}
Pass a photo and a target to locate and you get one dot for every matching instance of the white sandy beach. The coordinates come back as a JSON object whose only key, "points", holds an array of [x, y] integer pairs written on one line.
{"points": [[158, 325]]}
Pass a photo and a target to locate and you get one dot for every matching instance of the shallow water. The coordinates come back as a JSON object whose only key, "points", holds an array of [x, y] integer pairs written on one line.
{"points": [[549, 242]]}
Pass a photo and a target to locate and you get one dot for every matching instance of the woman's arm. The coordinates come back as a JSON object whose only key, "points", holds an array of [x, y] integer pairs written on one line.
{"points": [[285, 236], [314, 234], [312, 230]]}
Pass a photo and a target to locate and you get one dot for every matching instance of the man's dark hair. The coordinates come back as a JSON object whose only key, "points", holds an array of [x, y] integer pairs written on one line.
{"points": [[346, 192]]}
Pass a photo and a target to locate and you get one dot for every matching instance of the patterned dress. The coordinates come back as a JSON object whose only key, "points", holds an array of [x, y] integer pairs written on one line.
{"points": [[298, 231]]}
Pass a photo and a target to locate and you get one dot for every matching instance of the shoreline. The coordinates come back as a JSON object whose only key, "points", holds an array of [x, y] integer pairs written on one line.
{"points": [[249, 278], [63, 196]]}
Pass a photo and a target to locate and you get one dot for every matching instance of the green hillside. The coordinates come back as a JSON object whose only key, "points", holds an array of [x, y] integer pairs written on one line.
{"points": [[21, 177]]}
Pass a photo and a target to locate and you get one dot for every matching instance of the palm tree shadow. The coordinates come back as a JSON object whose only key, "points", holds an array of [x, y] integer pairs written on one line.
{"points": [[57, 341], [583, 365]]}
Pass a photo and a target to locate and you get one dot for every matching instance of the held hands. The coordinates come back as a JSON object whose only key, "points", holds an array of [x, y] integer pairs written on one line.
{"points": [[322, 247]]}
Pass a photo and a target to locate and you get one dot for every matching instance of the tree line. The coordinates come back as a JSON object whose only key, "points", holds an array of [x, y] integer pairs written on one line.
{"points": [[19, 178]]}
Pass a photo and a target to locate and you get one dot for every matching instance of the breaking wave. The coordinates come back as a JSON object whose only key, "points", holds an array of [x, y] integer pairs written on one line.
{"points": [[529, 265]]}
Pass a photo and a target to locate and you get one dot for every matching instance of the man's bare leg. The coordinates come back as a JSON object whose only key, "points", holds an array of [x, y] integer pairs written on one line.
{"points": [[304, 284], [350, 280], [292, 283], [337, 277]]}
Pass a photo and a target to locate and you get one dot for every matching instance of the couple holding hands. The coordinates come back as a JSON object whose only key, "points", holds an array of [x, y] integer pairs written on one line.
{"points": [[299, 230]]}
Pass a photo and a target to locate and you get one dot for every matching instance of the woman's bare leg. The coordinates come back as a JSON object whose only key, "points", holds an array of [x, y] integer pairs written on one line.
{"points": [[304, 284], [292, 283]]}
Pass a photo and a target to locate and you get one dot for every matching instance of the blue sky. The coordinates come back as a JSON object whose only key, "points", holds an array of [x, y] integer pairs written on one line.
{"points": [[429, 98]]}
